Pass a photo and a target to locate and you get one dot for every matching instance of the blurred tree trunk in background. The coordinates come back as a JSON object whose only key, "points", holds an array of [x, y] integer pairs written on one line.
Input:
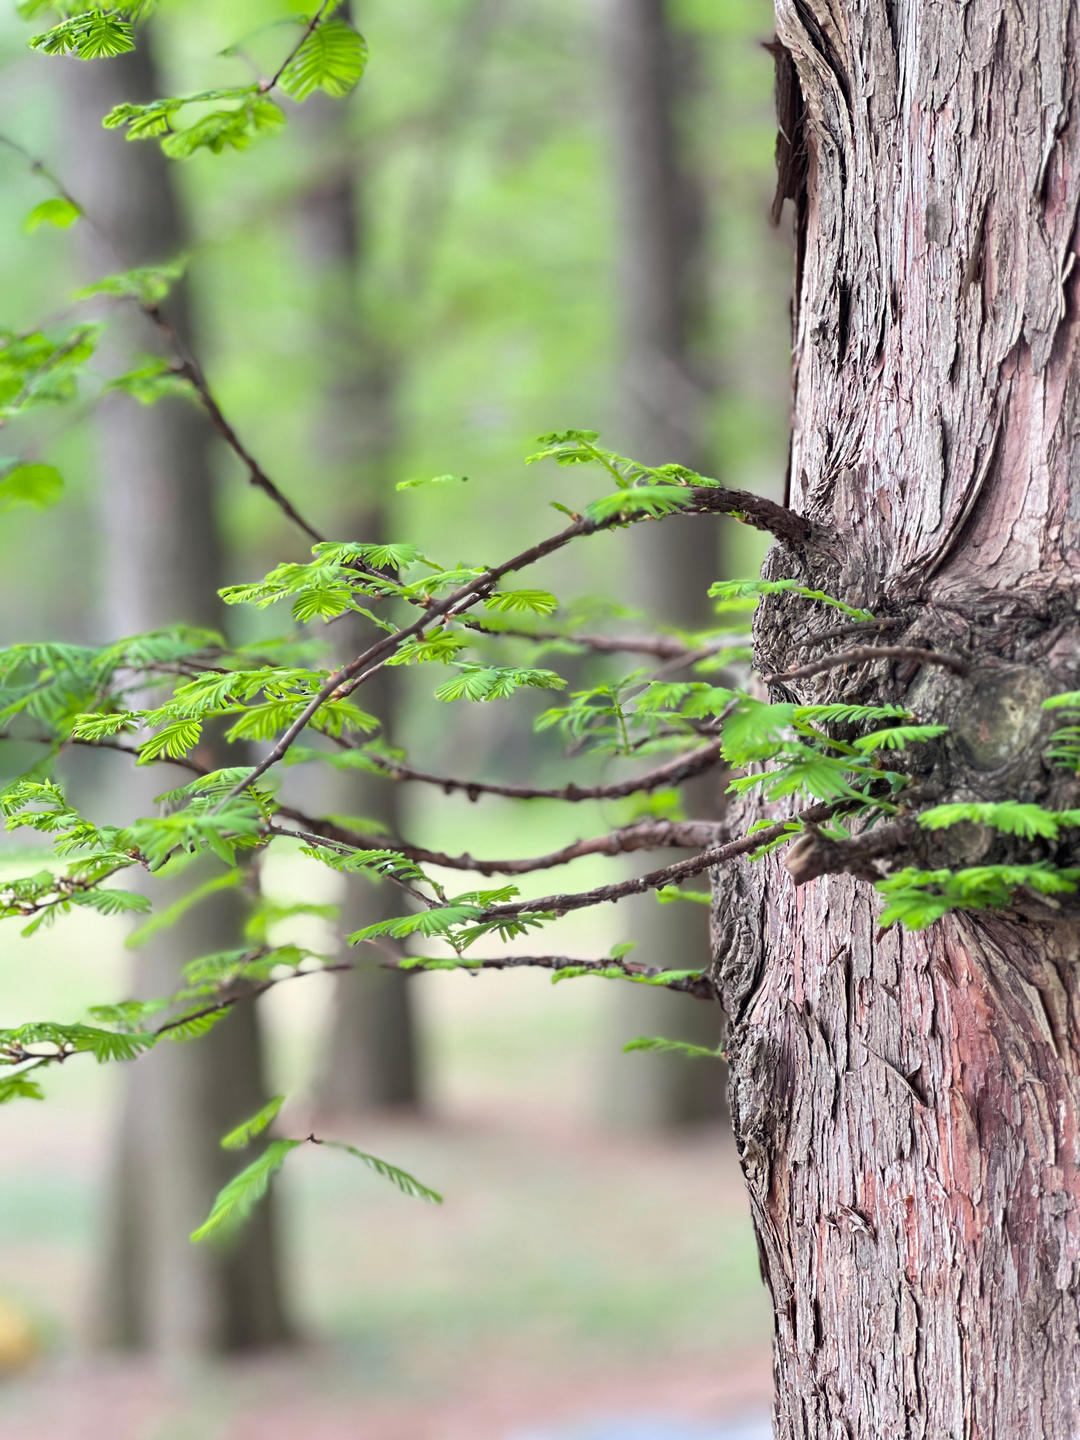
{"points": [[662, 402], [371, 1058], [161, 560]]}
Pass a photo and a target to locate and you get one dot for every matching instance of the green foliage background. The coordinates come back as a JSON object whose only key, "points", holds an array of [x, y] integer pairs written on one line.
{"points": [[513, 332]]}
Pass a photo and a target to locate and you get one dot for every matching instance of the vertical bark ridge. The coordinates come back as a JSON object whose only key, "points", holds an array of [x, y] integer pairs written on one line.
{"points": [[906, 1105], [908, 1122], [937, 316]]}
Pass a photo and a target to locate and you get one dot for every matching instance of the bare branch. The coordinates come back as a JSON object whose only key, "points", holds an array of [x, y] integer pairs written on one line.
{"points": [[754, 510], [188, 368], [852, 627], [657, 879], [815, 854], [698, 985], [867, 654], [642, 835], [671, 774]]}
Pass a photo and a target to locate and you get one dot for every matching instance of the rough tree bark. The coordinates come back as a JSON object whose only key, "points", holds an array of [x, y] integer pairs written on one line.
{"points": [[161, 564], [906, 1105], [371, 1060], [661, 403]]}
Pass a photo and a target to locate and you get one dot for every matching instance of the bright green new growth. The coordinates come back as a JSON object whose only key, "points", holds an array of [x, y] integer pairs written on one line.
{"points": [[733, 592], [1065, 741], [329, 55], [237, 1199], [662, 1046], [1010, 817], [916, 898], [244, 1133]]}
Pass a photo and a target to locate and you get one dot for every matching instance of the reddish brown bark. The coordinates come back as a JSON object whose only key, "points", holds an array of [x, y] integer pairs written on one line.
{"points": [[906, 1105]]}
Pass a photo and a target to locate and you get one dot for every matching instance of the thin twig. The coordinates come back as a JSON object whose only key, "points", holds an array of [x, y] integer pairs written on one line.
{"points": [[852, 627], [642, 835], [657, 879], [671, 774], [697, 985], [867, 654], [188, 368], [38, 167], [312, 25], [660, 647]]}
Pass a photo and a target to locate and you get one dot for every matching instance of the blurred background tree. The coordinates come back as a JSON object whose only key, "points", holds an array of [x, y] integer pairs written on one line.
{"points": [[665, 381], [162, 561]]}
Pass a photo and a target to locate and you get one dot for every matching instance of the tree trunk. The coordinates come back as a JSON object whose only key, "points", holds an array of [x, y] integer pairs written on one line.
{"points": [[161, 564], [371, 1060], [661, 403], [906, 1104]]}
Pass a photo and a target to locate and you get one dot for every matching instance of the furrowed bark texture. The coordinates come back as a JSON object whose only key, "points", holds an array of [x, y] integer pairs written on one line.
{"points": [[906, 1105]]}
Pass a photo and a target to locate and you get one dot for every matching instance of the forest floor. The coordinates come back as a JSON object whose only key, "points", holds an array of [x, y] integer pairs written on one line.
{"points": [[575, 1275]]}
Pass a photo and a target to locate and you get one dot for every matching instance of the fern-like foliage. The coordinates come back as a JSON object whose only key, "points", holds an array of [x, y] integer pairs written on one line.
{"points": [[917, 898], [1064, 746], [1011, 817], [244, 1133], [659, 1044], [236, 1201], [810, 761], [734, 593], [93, 35]]}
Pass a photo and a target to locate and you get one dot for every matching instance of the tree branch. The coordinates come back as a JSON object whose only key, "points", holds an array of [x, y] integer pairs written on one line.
{"points": [[657, 879], [754, 510], [866, 654], [660, 647], [671, 774], [642, 835], [188, 368], [815, 854], [698, 985], [852, 627]]}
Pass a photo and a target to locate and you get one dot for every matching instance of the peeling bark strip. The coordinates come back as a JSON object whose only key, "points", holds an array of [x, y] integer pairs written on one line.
{"points": [[907, 1106]]}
